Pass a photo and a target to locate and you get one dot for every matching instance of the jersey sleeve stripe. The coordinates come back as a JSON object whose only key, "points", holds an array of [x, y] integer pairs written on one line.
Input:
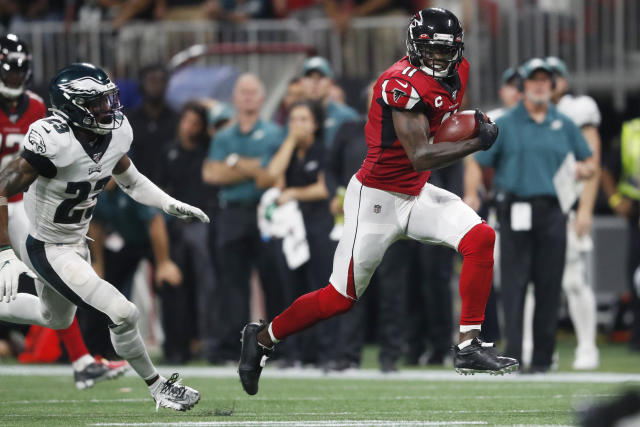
{"points": [[43, 165]]}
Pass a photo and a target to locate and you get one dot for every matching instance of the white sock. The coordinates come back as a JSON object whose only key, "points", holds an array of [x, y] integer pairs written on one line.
{"points": [[464, 344], [273, 338], [467, 328], [156, 384], [82, 362]]}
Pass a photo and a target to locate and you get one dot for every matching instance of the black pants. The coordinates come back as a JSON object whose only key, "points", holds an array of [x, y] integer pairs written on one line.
{"points": [[534, 256], [390, 286], [430, 301], [315, 345], [239, 250], [186, 309]]}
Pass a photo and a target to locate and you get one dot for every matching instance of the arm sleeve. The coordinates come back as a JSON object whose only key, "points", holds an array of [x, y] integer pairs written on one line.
{"points": [[42, 164], [141, 189]]}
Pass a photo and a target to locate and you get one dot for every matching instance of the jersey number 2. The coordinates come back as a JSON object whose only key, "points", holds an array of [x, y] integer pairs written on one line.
{"points": [[66, 212]]}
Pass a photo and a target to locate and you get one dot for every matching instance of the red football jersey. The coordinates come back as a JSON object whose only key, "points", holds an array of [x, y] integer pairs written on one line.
{"points": [[405, 87], [14, 125]]}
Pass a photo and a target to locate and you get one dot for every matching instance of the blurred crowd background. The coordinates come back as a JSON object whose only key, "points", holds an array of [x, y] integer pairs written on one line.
{"points": [[215, 90]]}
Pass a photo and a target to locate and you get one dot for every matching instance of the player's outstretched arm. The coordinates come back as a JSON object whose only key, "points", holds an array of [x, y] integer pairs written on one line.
{"points": [[142, 190], [15, 178], [412, 129]]}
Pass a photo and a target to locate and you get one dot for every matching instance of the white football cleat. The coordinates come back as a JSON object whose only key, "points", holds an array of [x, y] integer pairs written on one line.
{"points": [[169, 393]]}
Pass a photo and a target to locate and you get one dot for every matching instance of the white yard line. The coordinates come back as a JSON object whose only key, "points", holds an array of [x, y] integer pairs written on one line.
{"points": [[362, 374], [340, 423]]}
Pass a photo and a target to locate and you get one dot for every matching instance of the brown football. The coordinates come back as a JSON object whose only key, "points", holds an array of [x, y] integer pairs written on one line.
{"points": [[458, 127]]}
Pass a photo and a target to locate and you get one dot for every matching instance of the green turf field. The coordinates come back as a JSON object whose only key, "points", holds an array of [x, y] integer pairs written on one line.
{"points": [[46, 397]]}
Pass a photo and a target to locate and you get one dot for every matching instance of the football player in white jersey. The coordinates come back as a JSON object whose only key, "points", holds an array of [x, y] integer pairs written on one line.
{"points": [[67, 160], [584, 111]]}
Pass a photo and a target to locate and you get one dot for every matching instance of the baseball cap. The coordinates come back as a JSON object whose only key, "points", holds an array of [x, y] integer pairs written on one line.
{"points": [[532, 65], [509, 75], [557, 65], [317, 63], [220, 112]]}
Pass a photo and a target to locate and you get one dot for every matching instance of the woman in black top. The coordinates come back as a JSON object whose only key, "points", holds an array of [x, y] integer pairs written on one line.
{"points": [[298, 168]]}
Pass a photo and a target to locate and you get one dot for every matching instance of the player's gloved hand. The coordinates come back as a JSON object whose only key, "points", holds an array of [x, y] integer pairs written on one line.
{"points": [[487, 130], [183, 211], [10, 270]]}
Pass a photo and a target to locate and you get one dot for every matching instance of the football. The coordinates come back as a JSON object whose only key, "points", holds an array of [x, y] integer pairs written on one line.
{"points": [[458, 127]]}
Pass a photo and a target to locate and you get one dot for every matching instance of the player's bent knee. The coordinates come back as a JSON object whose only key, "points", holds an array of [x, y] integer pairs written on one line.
{"points": [[478, 241], [60, 322], [331, 302], [124, 315]]}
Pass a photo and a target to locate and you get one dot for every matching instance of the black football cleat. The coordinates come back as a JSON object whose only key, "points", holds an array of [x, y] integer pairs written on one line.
{"points": [[481, 357], [253, 357]]}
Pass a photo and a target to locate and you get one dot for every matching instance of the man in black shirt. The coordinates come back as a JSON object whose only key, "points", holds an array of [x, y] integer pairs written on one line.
{"points": [[153, 123], [181, 166]]}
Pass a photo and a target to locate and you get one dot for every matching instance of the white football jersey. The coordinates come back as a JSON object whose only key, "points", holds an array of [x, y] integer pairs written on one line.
{"points": [[583, 110], [60, 202]]}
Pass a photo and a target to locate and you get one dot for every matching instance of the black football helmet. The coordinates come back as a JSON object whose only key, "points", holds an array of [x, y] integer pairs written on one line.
{"points": [[84, 96], [435, 42], [15, 66]]}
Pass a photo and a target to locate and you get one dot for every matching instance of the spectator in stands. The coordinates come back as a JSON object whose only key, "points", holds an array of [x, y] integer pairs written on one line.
{"points": [[532, 224], [187, 313], [620, 184], [120, 243], [341, 12], [153, 123], [317, 80], [236, 155], [126, 10], [236, 11], [298, 9]]}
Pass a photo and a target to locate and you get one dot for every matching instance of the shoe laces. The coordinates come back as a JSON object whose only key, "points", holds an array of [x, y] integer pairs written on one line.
{"points": [[173, 388]]}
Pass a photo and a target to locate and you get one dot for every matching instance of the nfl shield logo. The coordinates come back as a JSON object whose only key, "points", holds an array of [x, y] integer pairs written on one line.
{"points": [[377, 209]]}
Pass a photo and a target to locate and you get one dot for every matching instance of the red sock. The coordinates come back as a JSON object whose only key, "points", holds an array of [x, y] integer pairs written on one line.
{"points": [[477, 273], [308, 309], [73, 341]]}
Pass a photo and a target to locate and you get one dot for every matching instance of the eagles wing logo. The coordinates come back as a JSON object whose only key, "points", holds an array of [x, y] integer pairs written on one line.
{"points": [[86, 85], [37, 141], [397, 93]]}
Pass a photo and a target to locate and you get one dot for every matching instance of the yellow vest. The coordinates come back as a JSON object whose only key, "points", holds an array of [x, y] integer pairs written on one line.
{"points": [[630, 151]]}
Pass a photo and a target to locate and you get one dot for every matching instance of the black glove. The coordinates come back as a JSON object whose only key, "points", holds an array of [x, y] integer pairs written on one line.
{"points": [[487, 130]]}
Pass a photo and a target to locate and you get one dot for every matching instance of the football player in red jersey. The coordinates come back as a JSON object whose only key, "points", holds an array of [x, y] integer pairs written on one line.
{"points": [[18, 109], [389, 199]]}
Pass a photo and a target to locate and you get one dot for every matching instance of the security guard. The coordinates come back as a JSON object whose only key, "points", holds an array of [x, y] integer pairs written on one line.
{"points": [[534, 141], [620, 177]]}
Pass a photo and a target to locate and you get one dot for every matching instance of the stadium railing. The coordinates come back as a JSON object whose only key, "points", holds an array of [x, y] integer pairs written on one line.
{"points": [[599, 40]]}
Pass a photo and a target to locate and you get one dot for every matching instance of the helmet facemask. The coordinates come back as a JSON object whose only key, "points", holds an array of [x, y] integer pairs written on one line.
{"points": [[437, 59], [102, 113]]}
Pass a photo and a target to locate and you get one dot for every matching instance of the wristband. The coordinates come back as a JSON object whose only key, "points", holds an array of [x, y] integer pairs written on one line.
{"points": [[3, 201], [4, 247], [615, 200]]}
